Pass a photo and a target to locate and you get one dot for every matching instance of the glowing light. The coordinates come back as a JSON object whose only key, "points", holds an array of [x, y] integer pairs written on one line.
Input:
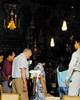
{"points": [[64, 26], [11, 24], [52, 44]]}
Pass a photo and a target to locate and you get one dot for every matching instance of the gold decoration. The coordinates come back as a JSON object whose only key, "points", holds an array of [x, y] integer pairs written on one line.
{"points": [[11, 24]]}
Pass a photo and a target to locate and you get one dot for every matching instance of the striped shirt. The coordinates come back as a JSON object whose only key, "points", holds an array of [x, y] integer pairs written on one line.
{"points": [[19, 62]]}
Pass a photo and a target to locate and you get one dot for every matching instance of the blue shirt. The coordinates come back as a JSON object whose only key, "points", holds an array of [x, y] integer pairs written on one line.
{"points": [[61, 76]]}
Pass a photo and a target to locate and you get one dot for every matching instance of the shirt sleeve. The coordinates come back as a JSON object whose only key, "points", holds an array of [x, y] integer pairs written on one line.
{"points": [[23, 63], [72, 65], [8, 67]]}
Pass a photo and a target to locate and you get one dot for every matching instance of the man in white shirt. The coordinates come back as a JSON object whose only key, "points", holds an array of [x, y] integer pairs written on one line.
{"points": [[20, 73], [74, 71]]}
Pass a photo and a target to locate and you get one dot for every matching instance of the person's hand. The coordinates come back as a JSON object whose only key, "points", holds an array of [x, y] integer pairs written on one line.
{"points": [[9, 77], [44, 91], [25, 87], [67, 83]]}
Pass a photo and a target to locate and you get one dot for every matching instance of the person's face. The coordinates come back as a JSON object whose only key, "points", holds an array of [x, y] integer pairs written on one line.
{"points": [[76, 45], [12, 56], [28, 55], [1, 58]]}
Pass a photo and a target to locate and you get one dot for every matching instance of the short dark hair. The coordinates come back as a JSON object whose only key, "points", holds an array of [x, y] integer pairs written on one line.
{"points": [[41, 59], [77, 39], [9, 52], [1, 54]]}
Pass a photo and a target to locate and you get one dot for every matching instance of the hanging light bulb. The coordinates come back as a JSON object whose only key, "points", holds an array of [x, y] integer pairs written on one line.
{"points": [[11, 24], [52, 44], [64, 26]]}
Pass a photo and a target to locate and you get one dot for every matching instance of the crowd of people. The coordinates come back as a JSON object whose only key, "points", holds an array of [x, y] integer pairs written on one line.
{"points": [[16, 68]]}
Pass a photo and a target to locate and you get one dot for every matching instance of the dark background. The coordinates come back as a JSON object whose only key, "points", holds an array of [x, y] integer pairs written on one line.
{"points": [[39, 21]]}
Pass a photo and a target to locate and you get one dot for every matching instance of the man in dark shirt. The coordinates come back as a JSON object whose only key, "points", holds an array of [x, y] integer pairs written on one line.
{"points": [[6, 70]]}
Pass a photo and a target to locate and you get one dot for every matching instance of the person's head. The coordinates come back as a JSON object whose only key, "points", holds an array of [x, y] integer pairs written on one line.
{"points": [[63, 63], [41, 60], [1, 57], [10, 54], [27, 52], [77, 44]]}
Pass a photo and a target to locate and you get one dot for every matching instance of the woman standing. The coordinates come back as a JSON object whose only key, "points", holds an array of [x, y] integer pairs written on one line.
{"points": [[61, 76], [40, 82]]}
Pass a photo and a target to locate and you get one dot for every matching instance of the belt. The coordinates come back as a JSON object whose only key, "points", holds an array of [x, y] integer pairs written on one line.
{"points": [[76, 70], [16, 78], [19, 78]]}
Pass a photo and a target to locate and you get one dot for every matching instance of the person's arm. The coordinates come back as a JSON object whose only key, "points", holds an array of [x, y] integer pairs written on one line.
{"points": [[23, 76], [7, 70], [43, 85], [71, 67]]}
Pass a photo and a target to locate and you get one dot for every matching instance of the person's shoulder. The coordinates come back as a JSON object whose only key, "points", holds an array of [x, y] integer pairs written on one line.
{"points": [[66, 70], [57, 69], [20, 56], [6, 61], [74, 53]]}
